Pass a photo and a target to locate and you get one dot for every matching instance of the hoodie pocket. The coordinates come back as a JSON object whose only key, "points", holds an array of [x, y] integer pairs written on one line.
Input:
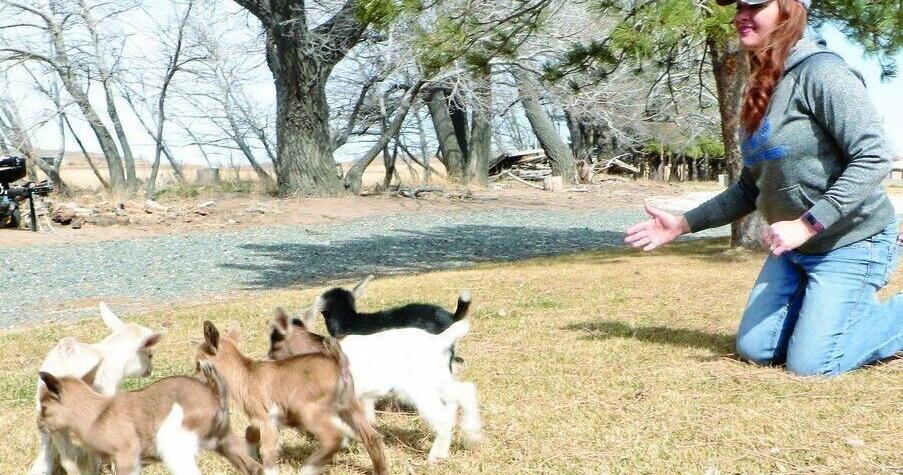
{"points": [[785, 204]]}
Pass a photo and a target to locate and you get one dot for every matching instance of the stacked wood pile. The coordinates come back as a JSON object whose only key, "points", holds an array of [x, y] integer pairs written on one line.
{"points": [[533, 165], [530, 165]]}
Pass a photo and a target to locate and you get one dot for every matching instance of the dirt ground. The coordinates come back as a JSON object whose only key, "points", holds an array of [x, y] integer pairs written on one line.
{"points": [[217, 210], [242, 210]]}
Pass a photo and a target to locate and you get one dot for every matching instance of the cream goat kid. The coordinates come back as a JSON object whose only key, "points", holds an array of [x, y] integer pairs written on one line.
{"points": [[125, 352]]}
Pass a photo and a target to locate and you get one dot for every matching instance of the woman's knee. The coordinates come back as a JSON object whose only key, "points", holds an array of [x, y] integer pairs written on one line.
{"points": [[755, 350], [812, 363]]}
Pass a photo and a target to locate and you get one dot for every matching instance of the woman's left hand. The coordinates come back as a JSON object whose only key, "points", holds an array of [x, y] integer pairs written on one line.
{"points": [[786, 236]]}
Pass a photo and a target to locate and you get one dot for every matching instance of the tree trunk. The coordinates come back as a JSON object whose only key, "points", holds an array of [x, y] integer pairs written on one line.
{"points": [[79, 94], [131, 178], [239, 139], [452, 155], [61, 122], [424, 150], [558, 152], [389, 160], [87, 156], [731, 68], [458, 113], [306, 165], [576, 134], [477, 168], [105, 139], [301, 60], [255, 165]]}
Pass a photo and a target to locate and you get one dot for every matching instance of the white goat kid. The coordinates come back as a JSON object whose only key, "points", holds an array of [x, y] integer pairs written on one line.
{"points": [[126, 352], [412, 364]]}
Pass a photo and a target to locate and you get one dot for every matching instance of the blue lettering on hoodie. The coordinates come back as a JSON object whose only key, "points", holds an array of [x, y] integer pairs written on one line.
{"points": [[755, 148]]}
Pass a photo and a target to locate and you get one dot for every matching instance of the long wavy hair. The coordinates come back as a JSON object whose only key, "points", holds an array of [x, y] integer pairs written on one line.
{"points": [[766, 62]]}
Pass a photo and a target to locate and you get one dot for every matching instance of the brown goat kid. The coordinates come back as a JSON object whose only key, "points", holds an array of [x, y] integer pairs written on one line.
{"points": [[290, 337], [312, 391], [170, 421]]}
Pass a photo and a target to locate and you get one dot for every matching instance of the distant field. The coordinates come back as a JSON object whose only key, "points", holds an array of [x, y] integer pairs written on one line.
{"points": [[77, 173]]}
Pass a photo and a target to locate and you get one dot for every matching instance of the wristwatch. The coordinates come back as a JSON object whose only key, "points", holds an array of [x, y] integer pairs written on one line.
{"points": [[813, 221]]}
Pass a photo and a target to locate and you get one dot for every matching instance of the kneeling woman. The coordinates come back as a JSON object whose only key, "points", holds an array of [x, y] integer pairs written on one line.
{"points": [[814, 156]]}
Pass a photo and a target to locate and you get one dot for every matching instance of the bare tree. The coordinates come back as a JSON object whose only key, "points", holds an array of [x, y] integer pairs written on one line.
{"points": [[54, 23], [218, 96], [175, 63], [102, 52], [18, 133], [301, 58], [477, 168], [353, 177]]}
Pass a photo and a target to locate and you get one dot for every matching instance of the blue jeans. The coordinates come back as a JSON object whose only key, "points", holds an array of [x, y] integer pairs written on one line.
{"points": [[819, 314]]}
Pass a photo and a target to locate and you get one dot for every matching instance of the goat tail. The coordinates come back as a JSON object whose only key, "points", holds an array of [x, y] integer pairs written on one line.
{"points": [[217, 384], [354, 416], [454, 333], [463, 305], [344, 387]]}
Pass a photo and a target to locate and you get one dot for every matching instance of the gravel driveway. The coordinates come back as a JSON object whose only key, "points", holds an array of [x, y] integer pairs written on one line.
{"points": [[55, 282], [62, 281]]}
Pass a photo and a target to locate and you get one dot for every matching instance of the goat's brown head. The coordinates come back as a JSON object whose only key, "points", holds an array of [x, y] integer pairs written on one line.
{"points": [[290, 337], [59, 399], [215, 347]]}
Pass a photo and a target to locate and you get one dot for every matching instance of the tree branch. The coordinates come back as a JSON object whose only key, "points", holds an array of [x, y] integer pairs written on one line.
{"points": [[339, 34]]}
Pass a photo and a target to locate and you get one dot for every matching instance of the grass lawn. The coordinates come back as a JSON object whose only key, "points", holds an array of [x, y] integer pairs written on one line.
{"points": [[604, 362]]}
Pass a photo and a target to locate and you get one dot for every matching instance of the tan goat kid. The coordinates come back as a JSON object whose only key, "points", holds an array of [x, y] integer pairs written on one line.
{"points": [[170, 421], [312, 391], [125, 352]]}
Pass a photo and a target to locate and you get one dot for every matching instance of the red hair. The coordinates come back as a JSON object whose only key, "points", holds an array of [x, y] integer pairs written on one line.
{"points": [[766, 62]]}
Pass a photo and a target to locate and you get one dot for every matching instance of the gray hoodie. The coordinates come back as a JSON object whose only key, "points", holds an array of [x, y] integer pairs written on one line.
{"points": [[821, 148]]}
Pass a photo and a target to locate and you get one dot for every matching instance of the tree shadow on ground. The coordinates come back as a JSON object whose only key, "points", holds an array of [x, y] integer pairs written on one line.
{"points": [[721, 343], [290, 263]]}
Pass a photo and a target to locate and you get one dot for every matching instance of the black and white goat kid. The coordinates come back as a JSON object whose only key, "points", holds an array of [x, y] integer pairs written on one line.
{"points": [[342, 318], [339, 310]]}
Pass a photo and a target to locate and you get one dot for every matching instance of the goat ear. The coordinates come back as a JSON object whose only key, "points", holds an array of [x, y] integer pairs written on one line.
{"points": [[51, 384], [310, 315], [109, 318], [361, 287], [234, 332], [152, 340], [211, 335], [282, 322], [90, 376]]}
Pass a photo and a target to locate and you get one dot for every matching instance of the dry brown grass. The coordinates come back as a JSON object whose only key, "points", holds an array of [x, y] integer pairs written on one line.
{"points": [[76, 173], [606, 362]]}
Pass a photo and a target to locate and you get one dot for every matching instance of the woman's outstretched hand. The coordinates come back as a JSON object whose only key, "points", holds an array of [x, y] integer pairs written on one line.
{"points": [[661, 229]]}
